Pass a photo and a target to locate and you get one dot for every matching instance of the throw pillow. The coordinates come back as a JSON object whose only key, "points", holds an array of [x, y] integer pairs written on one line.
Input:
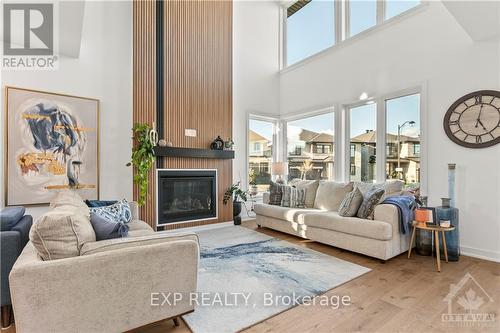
{"points": [[71, 199], [119, 212], [330, 195], [310, 187], [351, 203], [391, 187], [105, 229], [100, 203], [370, 200], [9, 217], [293, 197], [275, 194]]}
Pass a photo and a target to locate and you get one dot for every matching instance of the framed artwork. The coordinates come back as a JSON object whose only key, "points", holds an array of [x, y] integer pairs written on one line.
{"points": [[52, 144]]}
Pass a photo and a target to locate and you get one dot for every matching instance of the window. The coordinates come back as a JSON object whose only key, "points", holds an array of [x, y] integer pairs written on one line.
{"points": [[363, 124], [312, 26], [396, 7], [362, 15], [403, 133], [306, 138], [260, 151], [309, 28]]}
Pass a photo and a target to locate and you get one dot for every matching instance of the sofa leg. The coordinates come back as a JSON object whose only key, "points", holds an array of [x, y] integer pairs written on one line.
{"points": [[6, 315], [258, 226], [176, 321], [382, 261]]}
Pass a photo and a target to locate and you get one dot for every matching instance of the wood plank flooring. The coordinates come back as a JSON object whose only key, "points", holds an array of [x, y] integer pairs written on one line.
{"points": [[402, 295]]}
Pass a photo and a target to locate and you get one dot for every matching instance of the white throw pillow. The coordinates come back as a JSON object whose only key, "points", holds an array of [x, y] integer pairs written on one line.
{"points": [[330, 195]]}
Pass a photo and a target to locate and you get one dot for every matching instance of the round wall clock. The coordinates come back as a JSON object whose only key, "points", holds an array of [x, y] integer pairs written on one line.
{"points": [[473, 121]]}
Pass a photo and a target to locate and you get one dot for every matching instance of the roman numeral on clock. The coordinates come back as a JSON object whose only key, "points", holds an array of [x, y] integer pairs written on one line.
{"points": [[478, 139]]}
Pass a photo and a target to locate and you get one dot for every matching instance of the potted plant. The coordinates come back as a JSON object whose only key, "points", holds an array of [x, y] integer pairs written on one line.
{"points": [[143, 157], [252, 182], [236, 193]]}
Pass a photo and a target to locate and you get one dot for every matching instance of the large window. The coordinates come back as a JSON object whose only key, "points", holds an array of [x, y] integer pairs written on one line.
{"points": [[312, 26], [362, 15], [403, 138], [260, 152], [310, 29], [363, 142], [310, 147]]}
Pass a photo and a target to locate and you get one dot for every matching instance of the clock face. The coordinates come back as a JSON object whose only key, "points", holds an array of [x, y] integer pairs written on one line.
{"points": [[474, 120]]}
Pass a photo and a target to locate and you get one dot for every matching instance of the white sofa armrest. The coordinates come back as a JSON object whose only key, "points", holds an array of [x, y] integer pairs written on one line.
{"points": [[109, 291], [389, 213]]}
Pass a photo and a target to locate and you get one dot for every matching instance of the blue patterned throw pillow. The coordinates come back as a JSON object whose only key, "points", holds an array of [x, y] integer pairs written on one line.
{"points": [[118, 212]]}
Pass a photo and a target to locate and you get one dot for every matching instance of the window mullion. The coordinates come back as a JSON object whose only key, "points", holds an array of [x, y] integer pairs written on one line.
{"points": [[380, 11], [381, 140]]}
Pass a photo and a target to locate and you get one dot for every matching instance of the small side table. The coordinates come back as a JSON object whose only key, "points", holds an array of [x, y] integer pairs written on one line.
{"points": [[436, 230]]}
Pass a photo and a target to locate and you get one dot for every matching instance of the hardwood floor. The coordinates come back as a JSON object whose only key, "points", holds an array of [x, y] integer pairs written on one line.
{"points": [[402, 295]]}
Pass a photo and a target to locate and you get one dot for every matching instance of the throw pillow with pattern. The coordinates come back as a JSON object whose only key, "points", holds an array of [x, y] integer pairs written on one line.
{"points": [[370, 200], [275, 194], [301, 197], [293, 197], [118, 212], [351, 203]]}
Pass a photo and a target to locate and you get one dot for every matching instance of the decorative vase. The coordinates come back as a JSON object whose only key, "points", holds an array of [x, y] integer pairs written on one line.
{"points": [[451, 184], [236, 212]]}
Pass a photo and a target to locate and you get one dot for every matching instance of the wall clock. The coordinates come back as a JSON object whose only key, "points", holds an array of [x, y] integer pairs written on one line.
{"points": [[473, 121]]}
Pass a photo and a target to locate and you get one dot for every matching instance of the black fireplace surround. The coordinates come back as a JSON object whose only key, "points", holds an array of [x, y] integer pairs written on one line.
{"points": [[186, 195]]}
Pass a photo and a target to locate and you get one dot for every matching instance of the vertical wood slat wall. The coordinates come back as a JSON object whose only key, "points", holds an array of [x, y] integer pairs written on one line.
{"points": [[197, 85], [144, 84]]}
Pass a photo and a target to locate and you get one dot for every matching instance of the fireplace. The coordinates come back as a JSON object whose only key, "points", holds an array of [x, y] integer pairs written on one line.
{"points": [[186, 195]]}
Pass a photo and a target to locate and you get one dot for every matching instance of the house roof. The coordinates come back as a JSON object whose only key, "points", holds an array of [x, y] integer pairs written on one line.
{"points": [[296, 7], [254, 136], [371, 137]]}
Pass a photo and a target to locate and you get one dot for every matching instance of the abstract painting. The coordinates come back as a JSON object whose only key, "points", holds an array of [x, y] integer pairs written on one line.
{"points": [[52, 144]]}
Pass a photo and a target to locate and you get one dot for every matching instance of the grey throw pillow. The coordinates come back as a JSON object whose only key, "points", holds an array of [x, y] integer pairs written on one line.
{"points": [[275, 194], [106, 229], [351, 203], [370, 200]]}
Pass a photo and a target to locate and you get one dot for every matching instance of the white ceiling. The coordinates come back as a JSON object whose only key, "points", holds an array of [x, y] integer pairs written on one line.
{"points": [[480, 19]]}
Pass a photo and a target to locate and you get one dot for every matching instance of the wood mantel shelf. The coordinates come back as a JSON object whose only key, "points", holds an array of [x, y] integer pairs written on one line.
{"points": [[194, 153]]}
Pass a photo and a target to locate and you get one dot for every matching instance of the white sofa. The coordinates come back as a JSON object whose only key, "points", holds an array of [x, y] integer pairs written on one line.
{"points": [[379, 238], [107, 287]]}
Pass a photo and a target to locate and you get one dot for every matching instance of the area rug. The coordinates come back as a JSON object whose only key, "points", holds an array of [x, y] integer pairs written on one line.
{"points": [[246, 277]]}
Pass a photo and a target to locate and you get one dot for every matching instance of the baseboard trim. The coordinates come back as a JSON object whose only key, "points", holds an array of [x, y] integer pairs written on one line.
{"points": [[480, 254]]}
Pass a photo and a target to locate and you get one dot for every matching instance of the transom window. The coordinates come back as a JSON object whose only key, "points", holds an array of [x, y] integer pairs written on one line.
{"points": [[312, 26]]}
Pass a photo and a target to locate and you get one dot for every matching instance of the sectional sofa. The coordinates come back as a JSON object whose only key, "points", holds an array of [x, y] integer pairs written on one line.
{"points": [[379, 238]]}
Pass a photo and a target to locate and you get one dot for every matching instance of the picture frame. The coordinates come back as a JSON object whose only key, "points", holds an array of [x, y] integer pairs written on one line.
{"points": [[51, 144]]}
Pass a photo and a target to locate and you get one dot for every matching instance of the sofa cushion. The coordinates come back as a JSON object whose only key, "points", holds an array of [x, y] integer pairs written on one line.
{"points": [[283, 213], [61, 233], [293, 197], [391, 187], [351, 203], [275, 193], [330, 195], [310, 186], [9, 216], [350, 225], [72, 200]]}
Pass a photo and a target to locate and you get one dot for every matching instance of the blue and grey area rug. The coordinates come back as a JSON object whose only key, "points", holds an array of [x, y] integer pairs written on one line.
{"points": [[246, 277]]}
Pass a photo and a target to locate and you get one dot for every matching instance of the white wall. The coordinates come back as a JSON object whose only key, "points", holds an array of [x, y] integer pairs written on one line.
{"points": [[431, 49], [255, 70], [103, 71]]}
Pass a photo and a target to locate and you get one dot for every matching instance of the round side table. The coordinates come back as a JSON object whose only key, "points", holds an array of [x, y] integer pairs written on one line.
{"points": [[436, 230]]}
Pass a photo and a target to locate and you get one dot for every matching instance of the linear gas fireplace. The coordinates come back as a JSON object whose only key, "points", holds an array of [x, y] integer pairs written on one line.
{"points": [[186, 195]]}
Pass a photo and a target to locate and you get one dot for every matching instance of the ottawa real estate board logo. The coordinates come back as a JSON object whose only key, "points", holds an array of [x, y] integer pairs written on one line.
{"points": [[28, 36]]}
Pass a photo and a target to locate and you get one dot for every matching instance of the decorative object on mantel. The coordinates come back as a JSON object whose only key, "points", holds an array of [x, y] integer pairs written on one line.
{"points": [[217, 144], [472, 120], [143, 156], [169, 144], [153, 135], [162, 143], [236, 193], [228, 144]]}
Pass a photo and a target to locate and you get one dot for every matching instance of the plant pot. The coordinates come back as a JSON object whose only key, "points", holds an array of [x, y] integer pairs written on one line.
{"points": [[236, 212], [254, 190]]}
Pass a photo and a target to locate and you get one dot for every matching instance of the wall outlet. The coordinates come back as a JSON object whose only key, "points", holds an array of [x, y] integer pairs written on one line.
{"points": [[190, 132]]}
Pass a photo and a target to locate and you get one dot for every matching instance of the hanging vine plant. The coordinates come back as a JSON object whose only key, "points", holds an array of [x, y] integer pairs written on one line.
{"points": [[143, 157]]}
